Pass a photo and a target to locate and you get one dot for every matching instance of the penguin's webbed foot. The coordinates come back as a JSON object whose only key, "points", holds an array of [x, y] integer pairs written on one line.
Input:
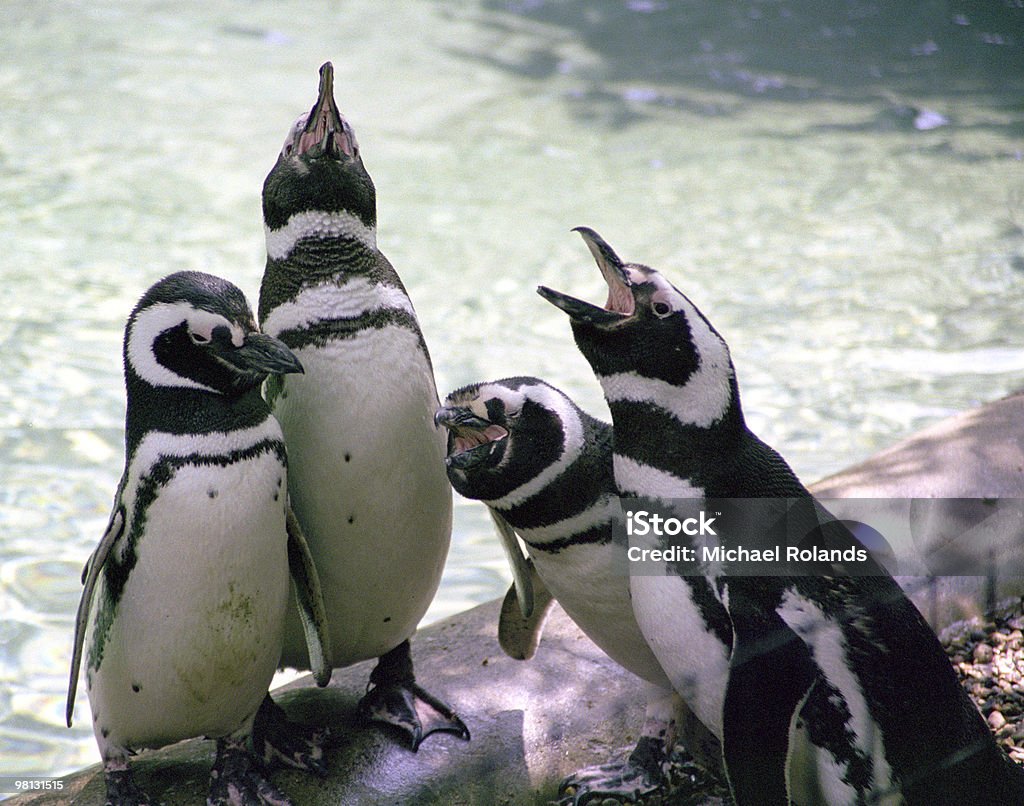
{"points": [[623, 782], [121, 787], [647, 776], [238, 778], [394, 697], [277, 739]]}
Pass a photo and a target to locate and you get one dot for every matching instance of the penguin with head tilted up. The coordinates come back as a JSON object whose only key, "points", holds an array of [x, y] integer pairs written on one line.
{"points": [[831, 689], [366, 464], [182, 615], [543, 467]]}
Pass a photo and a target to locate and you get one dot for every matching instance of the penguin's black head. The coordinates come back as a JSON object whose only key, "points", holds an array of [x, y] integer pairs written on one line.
{"points": [[502, 434], [319, 168], [196, 331], [647, 327]]}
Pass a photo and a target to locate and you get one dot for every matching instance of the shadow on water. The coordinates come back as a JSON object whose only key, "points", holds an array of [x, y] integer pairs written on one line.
{"points": [[713, 58]]}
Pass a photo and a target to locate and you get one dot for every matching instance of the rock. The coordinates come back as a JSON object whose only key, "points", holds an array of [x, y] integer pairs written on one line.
{"points": [[532, 723], [535, 722], [978, 454]]}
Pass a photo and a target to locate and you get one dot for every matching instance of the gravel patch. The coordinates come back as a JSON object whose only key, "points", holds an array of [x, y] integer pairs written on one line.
{"points": [[988, 656]]}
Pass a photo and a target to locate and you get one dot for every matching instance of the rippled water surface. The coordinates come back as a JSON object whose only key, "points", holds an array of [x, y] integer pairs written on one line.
{"points": [[839, 187]]}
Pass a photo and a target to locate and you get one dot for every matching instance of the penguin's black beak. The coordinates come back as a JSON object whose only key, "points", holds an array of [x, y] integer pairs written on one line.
{"points": [[580, 311], [261, 355], [620, 304], [454, 417], [325, 127], [471, 439]]}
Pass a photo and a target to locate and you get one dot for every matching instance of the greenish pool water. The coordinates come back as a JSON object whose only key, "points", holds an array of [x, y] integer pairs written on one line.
{"points": [[840, 188]]}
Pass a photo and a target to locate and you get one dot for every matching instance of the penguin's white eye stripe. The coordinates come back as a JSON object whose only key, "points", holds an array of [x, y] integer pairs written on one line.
{"points": [[201, 325], [666, 300], [636, 277], [155, 319], [293, 133], [572, 441]]}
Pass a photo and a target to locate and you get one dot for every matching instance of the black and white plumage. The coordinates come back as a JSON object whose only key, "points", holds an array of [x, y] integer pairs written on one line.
{"points": [[182, 615], [366, 475], [823, 689], [544, 467]]}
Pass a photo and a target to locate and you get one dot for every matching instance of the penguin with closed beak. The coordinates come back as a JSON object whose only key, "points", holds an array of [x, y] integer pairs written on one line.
{"points": [[823, 688], [182, 615]]}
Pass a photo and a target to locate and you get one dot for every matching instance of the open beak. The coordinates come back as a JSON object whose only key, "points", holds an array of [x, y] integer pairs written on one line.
{"points": [[471, 439], [325, 126], [620, 304]]}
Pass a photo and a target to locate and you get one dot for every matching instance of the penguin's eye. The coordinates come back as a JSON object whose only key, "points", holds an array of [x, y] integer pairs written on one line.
{"points": [[661, 309], [199, 338]]}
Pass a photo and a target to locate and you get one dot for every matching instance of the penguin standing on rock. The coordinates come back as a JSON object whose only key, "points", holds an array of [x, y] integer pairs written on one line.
{"points": [[823, 689], [544, 468], [182, 615], [366, 464]]}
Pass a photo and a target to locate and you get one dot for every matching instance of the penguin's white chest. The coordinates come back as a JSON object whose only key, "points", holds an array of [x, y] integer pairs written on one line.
{"points": [[692, 656], [196, 634], [591, 583], [368, 484]]}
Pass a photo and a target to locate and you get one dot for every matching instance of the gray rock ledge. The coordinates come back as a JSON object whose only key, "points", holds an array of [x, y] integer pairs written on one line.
{"points": [[535, 722]]}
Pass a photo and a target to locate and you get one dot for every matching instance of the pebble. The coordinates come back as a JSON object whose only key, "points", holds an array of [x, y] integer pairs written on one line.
{"points": [[989, 660]]}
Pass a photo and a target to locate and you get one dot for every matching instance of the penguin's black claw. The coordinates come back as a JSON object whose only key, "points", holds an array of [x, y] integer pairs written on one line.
{"points": [[393, 697], [238, 778], [279, 740], [122, 789], [413, 710]]}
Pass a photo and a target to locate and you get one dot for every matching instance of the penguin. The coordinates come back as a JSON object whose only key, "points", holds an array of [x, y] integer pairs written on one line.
{"points": [[366, 464], [181, 618], [543, 467], [823, 688]]}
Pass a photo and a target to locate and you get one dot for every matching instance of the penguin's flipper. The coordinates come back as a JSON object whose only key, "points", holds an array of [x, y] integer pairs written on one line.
{"points": [[519, 635], [770, 672], [310, 600], [90, 575], [522, 579]]}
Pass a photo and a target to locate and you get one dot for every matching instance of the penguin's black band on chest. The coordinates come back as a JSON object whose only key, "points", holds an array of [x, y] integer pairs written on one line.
{"points": [[324, 331], [596, 535], [314, 260]]}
